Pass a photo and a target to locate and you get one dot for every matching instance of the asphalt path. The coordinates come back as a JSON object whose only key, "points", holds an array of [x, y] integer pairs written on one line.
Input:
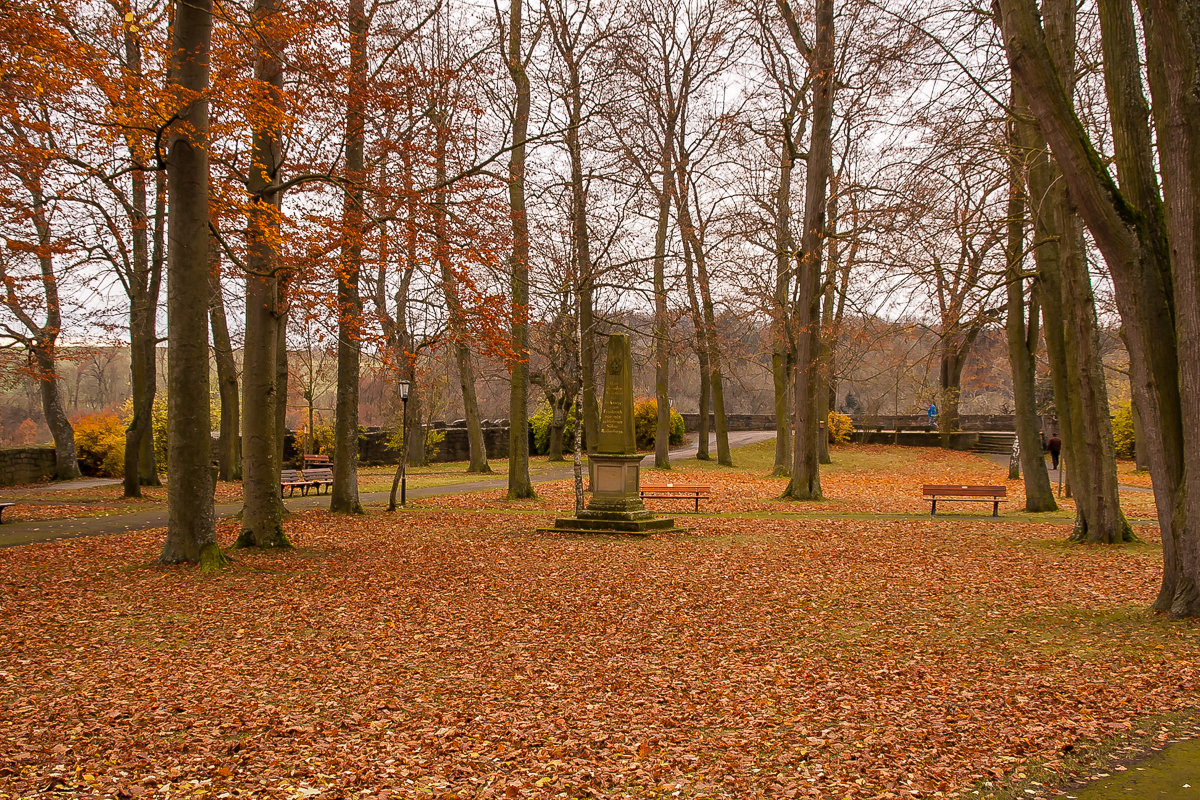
{"points": [[18, 533]]}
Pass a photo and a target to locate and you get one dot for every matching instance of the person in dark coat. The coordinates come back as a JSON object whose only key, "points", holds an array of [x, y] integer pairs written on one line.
{"points": [[1055, 447]]}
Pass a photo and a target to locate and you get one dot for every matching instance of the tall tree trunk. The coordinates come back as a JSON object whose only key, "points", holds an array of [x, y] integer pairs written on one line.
{"points": [[1141, 458], [475, 440], [229, 443], [713, 344], [262, 515], [191, 518], [662, 373], [66, 461], [147, 461], [519, 484], [1022, 335], [282, 374], [826, 393], [343, 495], [142, 342], [805, 483], [783, 344], [709, 343], [43, 345], [698, 327], [581, 240], [1173, 46], [1127, 224], [1087, 438], [142, 287], [451, 291], [952, 357]]}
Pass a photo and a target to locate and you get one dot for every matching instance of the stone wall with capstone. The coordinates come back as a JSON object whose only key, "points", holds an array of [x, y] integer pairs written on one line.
{"points": [[26, 464], [373, 447]]}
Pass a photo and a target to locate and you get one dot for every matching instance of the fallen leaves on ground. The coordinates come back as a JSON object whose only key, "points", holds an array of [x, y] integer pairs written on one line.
{"points": [[461, 655], [863, 488], [43, 502], [1129, 475]]}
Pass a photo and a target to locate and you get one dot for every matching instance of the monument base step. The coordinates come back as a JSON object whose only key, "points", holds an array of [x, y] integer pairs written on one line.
{"points": [[613, 524]]}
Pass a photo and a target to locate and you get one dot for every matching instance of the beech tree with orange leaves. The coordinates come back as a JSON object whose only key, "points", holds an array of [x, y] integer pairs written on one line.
{"points": [[35, 78]]}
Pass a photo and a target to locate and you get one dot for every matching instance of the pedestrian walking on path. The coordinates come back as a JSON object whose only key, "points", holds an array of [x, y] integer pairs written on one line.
{"points": [[1054, 446]]}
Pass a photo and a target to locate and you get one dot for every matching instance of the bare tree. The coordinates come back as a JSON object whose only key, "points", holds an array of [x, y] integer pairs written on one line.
{"points": [[1147, 244]]}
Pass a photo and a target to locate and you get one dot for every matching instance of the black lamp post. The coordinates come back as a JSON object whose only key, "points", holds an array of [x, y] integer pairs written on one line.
{"points": [[404, 387]]}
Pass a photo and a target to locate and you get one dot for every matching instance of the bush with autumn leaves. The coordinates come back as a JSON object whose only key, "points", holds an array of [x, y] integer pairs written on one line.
{"points": [[100, 444], [840, 427], [645, 424], [100, 438]]}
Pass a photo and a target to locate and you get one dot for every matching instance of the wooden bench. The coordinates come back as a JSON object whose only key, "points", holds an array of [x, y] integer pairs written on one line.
{"points": [[316, 460], [319, 477], [967, 494], [676, 491], [293, 479], [2, 507]]}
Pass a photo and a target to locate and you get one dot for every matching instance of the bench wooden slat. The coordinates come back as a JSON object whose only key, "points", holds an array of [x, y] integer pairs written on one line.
{"points": [[319, 477], [964, 493], [673, 491], [292, 479]]}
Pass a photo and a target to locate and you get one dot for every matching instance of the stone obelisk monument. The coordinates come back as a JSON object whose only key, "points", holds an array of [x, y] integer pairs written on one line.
{"points": [[616, 505]]}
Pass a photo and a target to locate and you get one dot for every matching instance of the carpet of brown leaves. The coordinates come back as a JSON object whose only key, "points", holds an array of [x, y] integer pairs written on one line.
{"points": [[452, 654], [862, 489], [34, 502]]}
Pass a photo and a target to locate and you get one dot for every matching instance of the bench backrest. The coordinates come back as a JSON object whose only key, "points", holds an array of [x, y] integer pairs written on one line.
{"points": [[958, 490], [316, 460], [676, 487], [290, 476], [319, 474]]}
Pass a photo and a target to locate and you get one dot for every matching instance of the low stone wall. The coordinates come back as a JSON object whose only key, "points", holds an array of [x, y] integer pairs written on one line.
{"points": [[887, 422], [373, 447], [26, 464], [963, 440], [736, 422], [967, 422]]}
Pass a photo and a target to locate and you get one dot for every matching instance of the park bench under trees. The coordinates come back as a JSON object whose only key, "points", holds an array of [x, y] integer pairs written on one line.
{"points": [[316, 460], [677, 491], [966, 494], [319, 477], [293, 479]]}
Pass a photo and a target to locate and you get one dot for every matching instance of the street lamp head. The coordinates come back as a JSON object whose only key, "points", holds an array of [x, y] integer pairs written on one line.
{"points": [[404, 386]]}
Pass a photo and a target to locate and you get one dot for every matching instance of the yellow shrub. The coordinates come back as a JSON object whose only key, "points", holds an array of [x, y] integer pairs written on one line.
{"points": [[1122, 427], [840, 427], [645, 424], [100, 444]]}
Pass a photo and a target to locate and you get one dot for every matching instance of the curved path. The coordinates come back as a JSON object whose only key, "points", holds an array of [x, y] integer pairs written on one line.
{"points": [[18, 533]]}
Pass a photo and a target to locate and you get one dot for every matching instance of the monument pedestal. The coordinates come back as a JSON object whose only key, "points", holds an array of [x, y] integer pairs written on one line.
{"points": [[616, 505]]}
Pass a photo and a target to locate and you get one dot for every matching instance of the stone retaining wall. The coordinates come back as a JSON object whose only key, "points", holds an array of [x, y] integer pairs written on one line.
{"points": [[885, 422], [373, 447], [735, 422], [26, 464], [963, 440]]}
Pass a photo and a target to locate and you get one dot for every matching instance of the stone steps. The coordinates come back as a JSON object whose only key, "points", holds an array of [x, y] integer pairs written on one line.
{"points": [[999, 442]]}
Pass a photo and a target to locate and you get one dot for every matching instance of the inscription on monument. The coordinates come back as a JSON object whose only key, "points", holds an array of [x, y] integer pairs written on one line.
{"points": [[616, 414]]}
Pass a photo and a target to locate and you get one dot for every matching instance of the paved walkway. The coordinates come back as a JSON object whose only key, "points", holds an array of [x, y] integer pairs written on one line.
{"points": [[18, 533], [1055, 475]]}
